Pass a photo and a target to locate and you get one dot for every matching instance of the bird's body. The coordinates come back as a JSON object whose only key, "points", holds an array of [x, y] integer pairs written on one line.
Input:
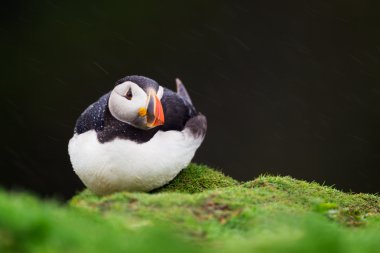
{"points": [[109, 154]]}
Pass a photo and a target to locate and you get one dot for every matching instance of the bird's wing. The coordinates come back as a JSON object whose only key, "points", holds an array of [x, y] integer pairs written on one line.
{"points": [[93, 116], [197, 126], [182, 92]]}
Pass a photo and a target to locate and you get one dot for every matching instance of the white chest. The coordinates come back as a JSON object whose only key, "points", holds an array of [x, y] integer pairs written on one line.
{"points": [[125, 165]]}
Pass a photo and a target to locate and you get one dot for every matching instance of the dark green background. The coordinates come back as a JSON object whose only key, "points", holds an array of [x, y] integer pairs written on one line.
{"points": [[289, 87]]}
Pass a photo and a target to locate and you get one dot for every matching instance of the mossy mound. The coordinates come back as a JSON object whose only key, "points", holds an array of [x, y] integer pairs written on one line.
{"points": [[200, 211], [198, 178]]}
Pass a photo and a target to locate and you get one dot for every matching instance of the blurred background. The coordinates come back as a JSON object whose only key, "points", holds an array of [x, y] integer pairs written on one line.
{"points": [[289, 87]]}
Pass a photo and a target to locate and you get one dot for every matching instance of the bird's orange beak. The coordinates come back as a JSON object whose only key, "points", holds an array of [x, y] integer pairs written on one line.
{"points": [[155, 113]]}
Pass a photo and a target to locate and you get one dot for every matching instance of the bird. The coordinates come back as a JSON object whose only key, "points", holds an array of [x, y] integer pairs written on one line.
{"points": [[137, 137]]}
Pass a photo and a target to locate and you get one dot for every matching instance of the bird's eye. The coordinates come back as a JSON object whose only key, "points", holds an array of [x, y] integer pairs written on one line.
{"points": [[129, 94]]}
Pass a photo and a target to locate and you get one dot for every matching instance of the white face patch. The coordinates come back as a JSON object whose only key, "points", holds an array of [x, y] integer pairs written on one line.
{"points": [[122, 108]]}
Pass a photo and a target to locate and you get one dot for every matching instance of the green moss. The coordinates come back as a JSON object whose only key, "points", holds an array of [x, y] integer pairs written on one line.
{"points": [[200, 211], [198, 178]]}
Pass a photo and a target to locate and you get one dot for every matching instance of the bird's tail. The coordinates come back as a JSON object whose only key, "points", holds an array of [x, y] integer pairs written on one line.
{"points": [[182, 92]]}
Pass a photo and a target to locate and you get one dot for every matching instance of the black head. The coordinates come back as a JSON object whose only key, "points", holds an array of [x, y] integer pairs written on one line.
{"points": [[145, 83]]}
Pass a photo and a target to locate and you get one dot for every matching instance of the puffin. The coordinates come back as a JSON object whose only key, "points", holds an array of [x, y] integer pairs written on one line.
{"points": [[137, 137]]}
